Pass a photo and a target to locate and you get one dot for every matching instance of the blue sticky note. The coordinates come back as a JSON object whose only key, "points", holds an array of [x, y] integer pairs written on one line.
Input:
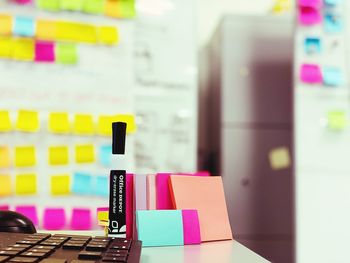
{"points": [[82, 184], [24, 26], [160, 227], [333, 23], [312, 45], [106, 155], [332, 76], [102, 186]]}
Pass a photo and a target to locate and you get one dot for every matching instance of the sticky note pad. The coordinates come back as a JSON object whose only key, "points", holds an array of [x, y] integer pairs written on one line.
{"points": [[311, 73], [113, 8], [60, 184], [191, 228], [83, 124], [25, 156], [128, 119], [333, 23], [310, 3], [5, 185], [309, 16], [6, 47], [81, 219], [105, 155], [94, 6], [27, 121], [23, 49], [280, 158], [44, 51], [84, 153], [82, 184], [160, 227], [51, 5], [59, 122], [337, 120], [4, 207], [108, 35], [66, 53], [151, 192], [26, 184], [140, 194], [54, 219], [103, 216], [5, 121], [102, 186], [129, 205], [332, 76], [58, 155], [312, 45], [30, 212], [127, 9], [71, 5], [24, 26], [105, 125], [6, 24], [77, 32], [4, 157], [209, 201], [45, 29]]}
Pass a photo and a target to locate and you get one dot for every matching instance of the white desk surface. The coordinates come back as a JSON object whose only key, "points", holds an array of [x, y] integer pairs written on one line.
{"points": [[209, 252]]}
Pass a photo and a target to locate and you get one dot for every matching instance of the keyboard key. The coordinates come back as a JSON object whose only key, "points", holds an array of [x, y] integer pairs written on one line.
{"points": [[40, 247], [75, 246], [40, 250], [54, 260], [40, 254], [120, 247], [115, 255], [24, 260], [42, 235], [28, 242], [21, 246], [90, 255], [19, 249], [96, 247], [3, 259], [117, 251], [9, 252], [114, 259]]}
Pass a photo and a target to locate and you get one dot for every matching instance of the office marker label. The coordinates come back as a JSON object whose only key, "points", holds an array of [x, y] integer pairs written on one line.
{"points": [[117, 203]]}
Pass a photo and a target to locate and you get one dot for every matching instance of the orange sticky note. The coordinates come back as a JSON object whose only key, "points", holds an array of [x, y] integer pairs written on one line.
{"points": [[113, 8], [59, 122], [28, 121], [6, 47], [83, 124], [5, 121], [205, 194], [46, 29], [6, 22], [4, 157], [108, 35], [5, 185]]}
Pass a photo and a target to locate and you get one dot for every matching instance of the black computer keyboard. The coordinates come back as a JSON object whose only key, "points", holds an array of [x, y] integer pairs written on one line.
{"points": [[46, 248]]}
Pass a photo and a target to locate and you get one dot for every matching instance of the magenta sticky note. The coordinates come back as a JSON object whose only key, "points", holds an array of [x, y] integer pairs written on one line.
{"points": [[44, 51], [311, 73], [129, 206], [23, 2], [54, 219], [310, 3], [4, 207], [192, 234], [30, 212], [309, 16], [81, 219], [102, 209]]}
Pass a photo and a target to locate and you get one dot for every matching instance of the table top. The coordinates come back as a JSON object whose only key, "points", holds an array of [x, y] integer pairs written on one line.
{"points": [[208, 252]]}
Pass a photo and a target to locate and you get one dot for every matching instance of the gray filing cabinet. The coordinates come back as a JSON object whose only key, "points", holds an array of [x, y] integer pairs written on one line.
{"points": [[251, 113]]}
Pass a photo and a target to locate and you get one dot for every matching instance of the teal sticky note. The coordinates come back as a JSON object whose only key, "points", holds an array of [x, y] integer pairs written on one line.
{"points": [[82, 184], [24, 26], [106, 155], [312, 45], [332, 77], [160, 227], [102, 186], [333, 23]]}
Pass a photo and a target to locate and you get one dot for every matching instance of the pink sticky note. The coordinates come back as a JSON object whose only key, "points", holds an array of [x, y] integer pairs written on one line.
{"points": [[23, 2], [44, 51], [310, 73], [81, 219], [311, 3], [29, 211], [309, 16], [192, 234], [4, 207], [151, 192], [54, 219], [129, 206], [102, 209]]}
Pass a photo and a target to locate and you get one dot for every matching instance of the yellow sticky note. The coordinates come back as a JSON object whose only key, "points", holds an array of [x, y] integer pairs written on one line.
{"points": [[76, 32], [6, 47], [58, 155], [28, 121], [129, 120], [102, 216], [337, 120], [93, 6], [5, 185], [105, 125], [25, 156], [46, 29], [60, 184], [5, 121], [59, 122], [4, 157], [127, 9], [280, 158], [6, 22], [108, 35], [83, 124], [23, 49], [281, 6], [26, 184], [84, 153]]}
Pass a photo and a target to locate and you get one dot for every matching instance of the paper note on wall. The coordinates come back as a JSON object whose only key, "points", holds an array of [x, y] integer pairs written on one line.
{"points": [[93, 6], [27, 121], [337, 120], [66, 53], [58, 155], [59, 122], [108, 35], [82, 184], [60, 184], [332, 77], [102, 186], [333, 23], [71, 5], [30, 212], [51, 5], [81, 219], [309, 16], [54, 218], [77, 32], [5, 121], [128, 119], [312, 45], [24, 26], [23, 49], [26, 184], [105, 155], [6, 47], [45, 29], [5, 185], [44, 51], [4, 157], [6, 24], [85, 153], [311, 73], [83, 124], [25, 156], [280, 158]]}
